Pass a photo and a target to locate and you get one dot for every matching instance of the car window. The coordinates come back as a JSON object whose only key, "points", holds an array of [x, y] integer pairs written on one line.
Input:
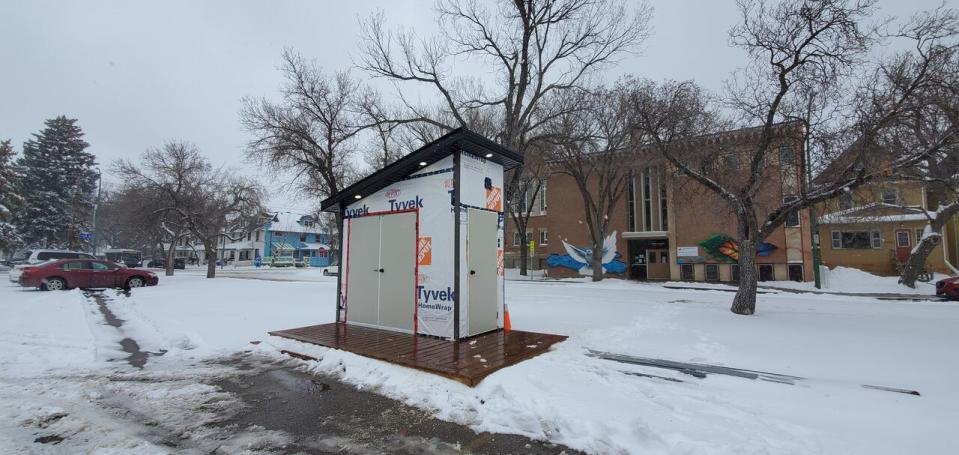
{"points": [[76, 265], [99, 266], [44, 256]]}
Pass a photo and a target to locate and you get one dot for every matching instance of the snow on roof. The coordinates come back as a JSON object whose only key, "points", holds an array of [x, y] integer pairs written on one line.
{"points": [[313, 246], [868, 214], [290, 222]]}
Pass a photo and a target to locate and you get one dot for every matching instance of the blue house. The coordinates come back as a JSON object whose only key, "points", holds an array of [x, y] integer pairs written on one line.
{"points": [[298, 236]]}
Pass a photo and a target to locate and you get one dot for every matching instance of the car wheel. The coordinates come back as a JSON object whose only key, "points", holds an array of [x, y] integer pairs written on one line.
{"points": [[55, 284], [135, 282], [326, 272]]}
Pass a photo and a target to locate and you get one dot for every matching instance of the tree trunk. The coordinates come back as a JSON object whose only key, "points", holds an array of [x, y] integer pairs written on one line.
{"points": [[745, 300], [523, 253], [918, 257], [596, 259], [169, 258], [210, 261], [925, 247]]}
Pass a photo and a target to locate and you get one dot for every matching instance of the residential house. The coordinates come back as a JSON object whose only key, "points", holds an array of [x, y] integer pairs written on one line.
{"points": [[875, 228], [285, 235]]}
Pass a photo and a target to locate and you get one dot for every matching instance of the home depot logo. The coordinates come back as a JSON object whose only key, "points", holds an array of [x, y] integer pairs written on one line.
{"points": [[424, 251], [500, 266], [494, 198]]}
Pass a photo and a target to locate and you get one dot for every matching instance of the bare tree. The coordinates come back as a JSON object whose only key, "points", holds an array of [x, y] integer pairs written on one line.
{"points": [[795, 49], [163, 180], [312, 131], [934, 116], [530, 49], [223, 204], [185, 194], [592, 145]]}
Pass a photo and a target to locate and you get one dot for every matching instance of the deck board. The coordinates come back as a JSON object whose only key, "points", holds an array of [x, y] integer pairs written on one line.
{"points": [[453, 359]]}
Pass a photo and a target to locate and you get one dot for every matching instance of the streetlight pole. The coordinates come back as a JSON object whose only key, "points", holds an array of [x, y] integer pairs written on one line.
{"points": [[96, 206], [813, 228]]}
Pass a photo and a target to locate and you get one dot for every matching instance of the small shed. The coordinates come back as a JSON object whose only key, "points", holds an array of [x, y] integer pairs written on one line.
{"points": [[422, 240]]}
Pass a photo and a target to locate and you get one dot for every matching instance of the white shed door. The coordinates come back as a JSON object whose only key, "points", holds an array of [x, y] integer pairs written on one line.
{"points": [[381, 280], [481, 245], [398, 270], [363, 277]]}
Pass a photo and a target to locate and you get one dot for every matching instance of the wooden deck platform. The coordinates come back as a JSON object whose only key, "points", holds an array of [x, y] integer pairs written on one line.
{"points": [[467, 361]]}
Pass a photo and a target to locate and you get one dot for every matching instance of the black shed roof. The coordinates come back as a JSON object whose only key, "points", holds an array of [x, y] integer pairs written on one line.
{"points": [[458, 139]]}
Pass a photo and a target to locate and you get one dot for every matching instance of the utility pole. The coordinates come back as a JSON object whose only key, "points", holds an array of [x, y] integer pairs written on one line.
{"points": [[813, 228], [96, 207]]}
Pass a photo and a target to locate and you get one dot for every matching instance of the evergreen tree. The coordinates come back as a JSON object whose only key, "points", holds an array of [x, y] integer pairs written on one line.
{"points": [[58, 184], [9, 198]]}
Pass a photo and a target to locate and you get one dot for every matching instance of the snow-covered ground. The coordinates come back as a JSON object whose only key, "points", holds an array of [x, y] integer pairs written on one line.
{"points": [[57, 356]]}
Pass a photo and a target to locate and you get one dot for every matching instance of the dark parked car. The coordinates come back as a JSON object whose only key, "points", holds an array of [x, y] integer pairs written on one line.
{"points": [[160, 263], [948, 288], [84, 273]]}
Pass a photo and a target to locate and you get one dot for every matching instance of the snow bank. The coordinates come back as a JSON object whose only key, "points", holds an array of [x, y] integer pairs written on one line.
{"points": [[851, 280], [51, 332]]}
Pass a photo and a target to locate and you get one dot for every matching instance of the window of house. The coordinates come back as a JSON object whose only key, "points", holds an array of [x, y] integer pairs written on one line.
{"points": [[516, 239], [712, 272], [795, 272], [257, 236], [277, 233], [890, 196], [731, 160], [845, 201], [686, 272], [734, 272], [766, 272], [902, 239], [303, 237], [664, 219], [664, 257], [249, 236], [792, 218], [919, 235], [631, 202], [860, 240], [647, 203], [787, 155], [543, 237], [542, 198], [652, 257]]}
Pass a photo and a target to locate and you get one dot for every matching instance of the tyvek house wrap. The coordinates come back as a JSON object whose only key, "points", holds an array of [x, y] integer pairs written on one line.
{"points": [[430, 191]]}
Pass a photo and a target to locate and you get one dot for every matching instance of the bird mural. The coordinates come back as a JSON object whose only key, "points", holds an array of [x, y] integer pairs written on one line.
{"points": [[579, 259]]}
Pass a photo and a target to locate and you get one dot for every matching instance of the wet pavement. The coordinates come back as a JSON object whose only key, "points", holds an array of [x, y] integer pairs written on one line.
{"points": [[324, 415]]}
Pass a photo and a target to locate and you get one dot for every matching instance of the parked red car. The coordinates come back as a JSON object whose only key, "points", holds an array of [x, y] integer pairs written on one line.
{"points": [[948, 288], [84, 273]]}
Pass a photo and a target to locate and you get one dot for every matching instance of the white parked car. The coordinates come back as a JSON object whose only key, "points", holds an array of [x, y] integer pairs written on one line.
{"points": [[331, 270], [34, 257]]}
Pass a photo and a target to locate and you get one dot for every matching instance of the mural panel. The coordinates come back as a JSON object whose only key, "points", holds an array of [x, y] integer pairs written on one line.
{"points": [[578, 259]]}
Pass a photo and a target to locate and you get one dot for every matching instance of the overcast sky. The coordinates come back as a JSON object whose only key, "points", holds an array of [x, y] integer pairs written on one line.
{"points": [[137, 74]]}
